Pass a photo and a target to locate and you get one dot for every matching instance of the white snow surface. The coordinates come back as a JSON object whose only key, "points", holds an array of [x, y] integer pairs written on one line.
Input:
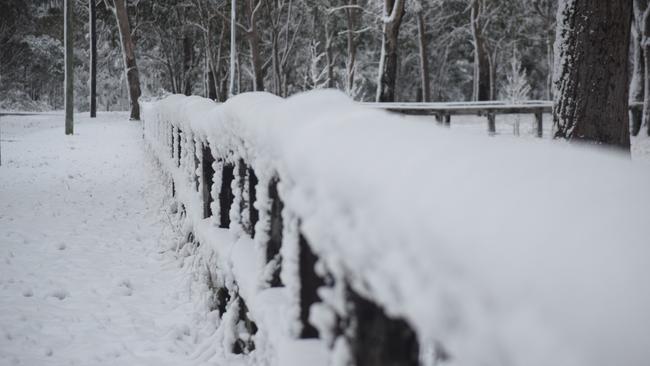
{"points": [[507, 252], [86, 274]]}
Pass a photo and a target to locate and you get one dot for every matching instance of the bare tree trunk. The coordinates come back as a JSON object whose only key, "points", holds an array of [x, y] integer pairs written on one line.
{"points": [[424, 64], [93, 57], [212, 83], [550, 64], [254, 44], [215, 66], [329, 54], [275, 62], [352, 47], [637, 84], [481, 55], [644, 26], [69, 67], [128, 52], [592, 100], [492, 62], [187, 65], [389, 50], [233, 46]]}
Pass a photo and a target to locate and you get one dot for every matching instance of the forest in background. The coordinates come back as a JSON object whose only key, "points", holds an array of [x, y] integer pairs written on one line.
{"points": [[284, 47]]}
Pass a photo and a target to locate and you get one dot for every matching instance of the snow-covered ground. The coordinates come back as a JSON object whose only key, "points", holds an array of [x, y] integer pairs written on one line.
{"points": [[88, 274], [84, 275]]}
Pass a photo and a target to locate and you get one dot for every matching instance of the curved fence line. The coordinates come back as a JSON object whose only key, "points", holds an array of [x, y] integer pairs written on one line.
{"points": [[339, 234]]}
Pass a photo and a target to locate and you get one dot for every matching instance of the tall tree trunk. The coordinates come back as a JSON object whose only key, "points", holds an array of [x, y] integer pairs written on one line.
{"points": [[329, 54], [216, 65], [352, 47], [592, 72], [642, 7], [128, 53], [69, 67], [275, 61], [212, 85], [424, 64], [187, 64], [233, 46], [93, 57], [392, 20], [637, 83], [492, 62], [550, 64], [481, 55], [254, 45]]}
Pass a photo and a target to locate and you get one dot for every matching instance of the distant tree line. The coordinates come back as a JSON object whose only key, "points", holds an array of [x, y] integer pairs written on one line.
{"points": [[431, 48], [383, 50]]}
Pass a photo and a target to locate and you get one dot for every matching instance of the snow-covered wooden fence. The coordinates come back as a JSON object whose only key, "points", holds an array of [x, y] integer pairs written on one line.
{"points": [[333, 233]]}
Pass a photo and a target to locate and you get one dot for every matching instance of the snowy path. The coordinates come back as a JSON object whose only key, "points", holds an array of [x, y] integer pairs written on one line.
{"points": [[84, 278]]}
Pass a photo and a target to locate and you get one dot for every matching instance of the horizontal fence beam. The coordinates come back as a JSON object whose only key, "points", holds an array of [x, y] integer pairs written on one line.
{"points": [[473, 108]]}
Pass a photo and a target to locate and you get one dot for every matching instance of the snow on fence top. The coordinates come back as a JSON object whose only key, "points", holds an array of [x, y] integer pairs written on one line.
{"points": [[503, 252]]}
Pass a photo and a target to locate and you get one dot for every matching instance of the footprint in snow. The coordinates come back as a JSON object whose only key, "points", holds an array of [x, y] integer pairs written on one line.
{"points": [[59, 294], [28, 293], [125, 288], [61, 246]]}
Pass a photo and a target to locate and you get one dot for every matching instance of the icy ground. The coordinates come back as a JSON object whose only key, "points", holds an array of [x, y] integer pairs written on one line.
{"points": [[84, 277]]}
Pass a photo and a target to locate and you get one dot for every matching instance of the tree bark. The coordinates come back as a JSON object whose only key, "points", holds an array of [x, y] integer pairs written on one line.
{"points": [[424, 65], [637, 83], [481, 54], [254, 45], [550, 64], [393, 14], [188, 50], [642, 15], [329, 54], [93, 57], [352, 47], [592, 72], [69, 67], [233, 46], [128, 53]]}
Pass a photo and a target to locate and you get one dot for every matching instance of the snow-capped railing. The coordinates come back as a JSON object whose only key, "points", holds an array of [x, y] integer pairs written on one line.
{"points": [[490, 109], [334, 233]]}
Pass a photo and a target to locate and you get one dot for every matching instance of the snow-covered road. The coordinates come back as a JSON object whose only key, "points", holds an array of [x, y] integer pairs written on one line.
{"points": [[84, 277]]}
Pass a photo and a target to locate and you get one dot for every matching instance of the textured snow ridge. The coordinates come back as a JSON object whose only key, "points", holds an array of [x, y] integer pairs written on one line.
{"points": [[493, 252]]}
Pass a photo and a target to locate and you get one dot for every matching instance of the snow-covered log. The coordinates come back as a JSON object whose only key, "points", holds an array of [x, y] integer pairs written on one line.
{"points": [[395, 241]]}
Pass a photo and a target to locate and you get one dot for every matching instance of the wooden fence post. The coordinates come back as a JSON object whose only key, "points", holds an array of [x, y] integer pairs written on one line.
{"points": [[274, 244], [207, 179], [539, 123], [492, 130], [309, 284], [226, 196]]}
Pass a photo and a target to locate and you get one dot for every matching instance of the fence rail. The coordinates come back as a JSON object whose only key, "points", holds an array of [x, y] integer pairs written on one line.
{"points": [[490, 109]]}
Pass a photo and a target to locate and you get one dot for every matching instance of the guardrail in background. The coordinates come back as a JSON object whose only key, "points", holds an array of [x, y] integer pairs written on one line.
{"points": [[490, 109]]}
